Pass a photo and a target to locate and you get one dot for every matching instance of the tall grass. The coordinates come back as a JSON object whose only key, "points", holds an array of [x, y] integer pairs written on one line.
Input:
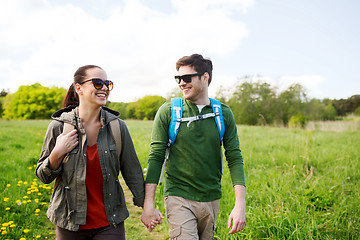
{"points": [[301, 184]]}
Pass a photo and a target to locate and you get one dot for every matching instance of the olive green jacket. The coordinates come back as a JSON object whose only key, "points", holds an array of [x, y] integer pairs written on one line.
{"points": [[68, 204]]}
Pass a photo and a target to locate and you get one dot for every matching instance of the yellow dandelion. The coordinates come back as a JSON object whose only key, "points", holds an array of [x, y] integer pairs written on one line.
{"points": [[3, 232], [7, 209], [37, 210], [19, 182], [51, 233], [8, 185], [3, 228], [28, 192], [12, 225], [29, 168], [11, 222], [38, 236], [25, 197], [6, 199], [36, 200], [39, 193], [22, 238], [26, 230], [43, 203], [5, 224], [25, 182]]}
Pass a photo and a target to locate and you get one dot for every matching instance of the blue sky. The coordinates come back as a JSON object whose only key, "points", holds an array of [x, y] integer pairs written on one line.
{"points": [[137, 42]]}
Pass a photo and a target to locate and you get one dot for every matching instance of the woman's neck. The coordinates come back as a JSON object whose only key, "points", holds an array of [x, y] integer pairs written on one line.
{"points": [[89, 115]]}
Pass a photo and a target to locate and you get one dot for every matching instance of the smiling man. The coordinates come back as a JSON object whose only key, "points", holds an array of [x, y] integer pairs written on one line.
{"points": [[194, 166]]}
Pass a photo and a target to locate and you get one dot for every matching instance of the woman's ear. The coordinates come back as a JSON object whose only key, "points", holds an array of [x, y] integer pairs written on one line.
{"points": [[78, 88]]}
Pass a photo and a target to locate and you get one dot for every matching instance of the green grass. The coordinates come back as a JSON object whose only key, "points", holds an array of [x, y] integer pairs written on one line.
{"points": [[300, 184]]}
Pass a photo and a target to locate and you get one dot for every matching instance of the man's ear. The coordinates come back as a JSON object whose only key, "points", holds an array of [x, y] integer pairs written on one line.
{"points": [[206, 77]]}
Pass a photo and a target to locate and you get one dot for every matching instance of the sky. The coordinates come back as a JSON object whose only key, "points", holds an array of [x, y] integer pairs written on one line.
{"points": [[137, 43]]}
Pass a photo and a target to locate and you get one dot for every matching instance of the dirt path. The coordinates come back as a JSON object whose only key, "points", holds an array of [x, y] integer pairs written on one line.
{"points": [[133, 223]]}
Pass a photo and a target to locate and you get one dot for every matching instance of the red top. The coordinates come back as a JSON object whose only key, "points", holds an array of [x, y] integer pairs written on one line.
{"points": [[95, 216]]}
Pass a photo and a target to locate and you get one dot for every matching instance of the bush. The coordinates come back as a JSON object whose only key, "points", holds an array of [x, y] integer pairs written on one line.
{"points": [[297, 121]]}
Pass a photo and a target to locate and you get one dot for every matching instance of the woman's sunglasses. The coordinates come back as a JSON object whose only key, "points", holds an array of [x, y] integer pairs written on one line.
{"points": [[99, 83], [186, 78]]}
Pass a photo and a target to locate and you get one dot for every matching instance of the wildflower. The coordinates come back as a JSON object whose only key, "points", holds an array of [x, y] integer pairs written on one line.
{"points": [[39, 194], [29, 168], [20, 182], [11, 222], [38, 236], [3, 228], [6, 199], [3, 232], [37, 210], [18, 202], [22, 238], [7, 209], [25, 182], [8, 185], [36, 200], [24, 197], [5, 224], [26, 230], [12, 225]]}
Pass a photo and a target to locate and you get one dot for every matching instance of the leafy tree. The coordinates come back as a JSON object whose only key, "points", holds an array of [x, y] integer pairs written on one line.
{"points": [[330, 112], [357, 111], [4, 92], [145, 108], [345, 106], [175, 92], [291, 102], [121, 107], [253, 103], [33, 102]]}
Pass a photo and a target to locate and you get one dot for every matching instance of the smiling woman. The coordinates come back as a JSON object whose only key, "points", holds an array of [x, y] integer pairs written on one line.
{"points": [[87, 197]]}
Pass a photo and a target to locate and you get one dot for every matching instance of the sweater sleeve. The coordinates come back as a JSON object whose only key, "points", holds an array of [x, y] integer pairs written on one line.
{"points": [[232, 148], [159, 139]]}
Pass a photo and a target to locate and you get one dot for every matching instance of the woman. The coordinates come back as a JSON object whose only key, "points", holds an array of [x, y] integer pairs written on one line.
{"points": [[88, 201]]}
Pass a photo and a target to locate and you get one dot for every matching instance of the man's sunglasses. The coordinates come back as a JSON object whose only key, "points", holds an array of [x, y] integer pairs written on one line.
{"points": [[186, 78], [99, 83]]}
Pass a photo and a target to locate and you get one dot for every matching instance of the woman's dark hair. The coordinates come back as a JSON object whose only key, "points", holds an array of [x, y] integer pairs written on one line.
{"points": [[72, 97], [200, 64]]}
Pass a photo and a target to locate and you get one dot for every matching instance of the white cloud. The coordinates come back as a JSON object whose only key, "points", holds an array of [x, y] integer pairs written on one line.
{"points": [[137, 45]]}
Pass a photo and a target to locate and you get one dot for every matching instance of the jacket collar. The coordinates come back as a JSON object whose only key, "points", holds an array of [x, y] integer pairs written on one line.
{"points": [[70, 115]]}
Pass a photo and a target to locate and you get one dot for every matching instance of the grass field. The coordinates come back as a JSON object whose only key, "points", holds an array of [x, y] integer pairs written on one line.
{"points": [[301, 184]]}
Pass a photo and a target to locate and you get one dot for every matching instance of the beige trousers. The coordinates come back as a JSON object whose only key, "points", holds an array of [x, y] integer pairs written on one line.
{"points": [[190, 219]]}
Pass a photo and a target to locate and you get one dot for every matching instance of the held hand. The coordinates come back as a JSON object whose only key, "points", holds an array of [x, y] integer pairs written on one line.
{"points": [[66, 143], [237, 218], [151, 217]]}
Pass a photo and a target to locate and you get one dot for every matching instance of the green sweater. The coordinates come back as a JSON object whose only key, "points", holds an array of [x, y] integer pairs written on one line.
{"points": [[194, 167]]}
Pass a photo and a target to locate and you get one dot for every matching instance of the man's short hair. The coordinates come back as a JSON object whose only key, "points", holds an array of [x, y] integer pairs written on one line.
{"points": [[200, 64]]}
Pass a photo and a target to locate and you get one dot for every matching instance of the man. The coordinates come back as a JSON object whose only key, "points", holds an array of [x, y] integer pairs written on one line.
{"points": [[194, 168]]}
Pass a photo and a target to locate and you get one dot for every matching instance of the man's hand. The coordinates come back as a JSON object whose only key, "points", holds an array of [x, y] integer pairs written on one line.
{"points": [[237, 218], [237, 215], [151, 217]]}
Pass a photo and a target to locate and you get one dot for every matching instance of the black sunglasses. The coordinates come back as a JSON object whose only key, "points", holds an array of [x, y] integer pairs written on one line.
{"points": [[186, 78], [99, 83]]}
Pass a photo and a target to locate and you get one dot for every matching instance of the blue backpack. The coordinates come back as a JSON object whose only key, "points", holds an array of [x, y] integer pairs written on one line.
{"points": [[177, 119]]}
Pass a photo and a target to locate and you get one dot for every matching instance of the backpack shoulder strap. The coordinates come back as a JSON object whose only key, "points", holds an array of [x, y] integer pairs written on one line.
{"points": [[116, 132], [67, 128], [176, 114], [216, 106]]}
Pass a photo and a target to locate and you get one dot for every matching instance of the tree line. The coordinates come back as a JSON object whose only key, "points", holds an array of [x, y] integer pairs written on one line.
{"points": [[252, 102]]}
